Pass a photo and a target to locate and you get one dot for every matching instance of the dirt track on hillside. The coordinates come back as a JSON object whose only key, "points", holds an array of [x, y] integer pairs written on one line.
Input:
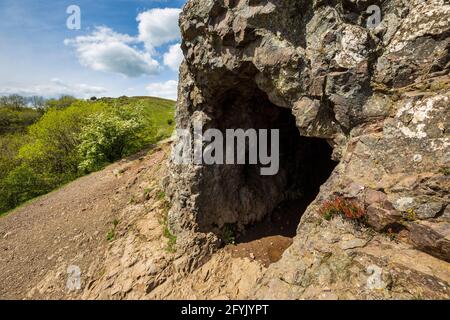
{"points": [[66, 227]]}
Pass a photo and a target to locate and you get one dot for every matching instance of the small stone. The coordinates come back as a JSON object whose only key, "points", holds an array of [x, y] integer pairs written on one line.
{"points": [[353, 244], [417, 158], [428, 210], [379, 218], [373, 196], [353, 190], [403, 204]]}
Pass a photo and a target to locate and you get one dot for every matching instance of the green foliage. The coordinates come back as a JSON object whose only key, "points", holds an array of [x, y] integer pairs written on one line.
{"points": [[172, 240], [9, 146], [161, 195], [111, 235], [22, 184], [160, 111], [42, 150], [54, 139], [147, 192], [61, 103], [229, 234], [13, 120], [109, 136]]}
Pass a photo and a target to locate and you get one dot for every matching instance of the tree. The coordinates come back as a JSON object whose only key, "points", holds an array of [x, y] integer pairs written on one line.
{"points": [[14, 101], [37, 102], [56, 136], [61, 103], [109, 136]]}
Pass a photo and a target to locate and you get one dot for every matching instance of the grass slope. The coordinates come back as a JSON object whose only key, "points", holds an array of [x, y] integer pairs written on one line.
{"points": [[160, 111]]}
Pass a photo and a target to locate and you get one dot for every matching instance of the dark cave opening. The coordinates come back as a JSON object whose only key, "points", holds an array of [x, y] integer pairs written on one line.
{"points": [[312, 168], [305, 164], [242, 202]]}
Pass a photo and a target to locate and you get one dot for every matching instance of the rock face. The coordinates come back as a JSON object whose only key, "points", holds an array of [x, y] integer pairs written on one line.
{"points": [[378, 98]]}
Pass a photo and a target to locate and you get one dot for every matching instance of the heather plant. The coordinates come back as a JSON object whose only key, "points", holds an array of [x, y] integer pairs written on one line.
{"points": [[340, 206]]}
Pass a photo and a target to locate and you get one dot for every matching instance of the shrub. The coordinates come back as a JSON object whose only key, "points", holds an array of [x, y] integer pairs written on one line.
{"points": [[61, 103], [17, 120], [22, 184], [171, 240], [42, 149], [111, 235], [161, 195], [109, 136], [341, 206], [229, 234], [10, 145], [55, 138]]}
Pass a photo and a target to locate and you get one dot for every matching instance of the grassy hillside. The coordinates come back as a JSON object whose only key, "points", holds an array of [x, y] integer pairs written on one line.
{"points": [[68, 138], [161, 111]]}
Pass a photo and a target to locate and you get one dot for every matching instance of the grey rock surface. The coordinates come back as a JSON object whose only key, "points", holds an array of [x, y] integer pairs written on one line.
{"points": [[379, 97]]}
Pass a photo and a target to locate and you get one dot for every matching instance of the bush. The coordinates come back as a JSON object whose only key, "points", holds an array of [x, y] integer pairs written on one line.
{"points": [[340, 206], [9, 146], [229, 234], [45, 158], [43, 149], [56, 136], [20, 185], [108, 137], [61, 103], [14, 120]]}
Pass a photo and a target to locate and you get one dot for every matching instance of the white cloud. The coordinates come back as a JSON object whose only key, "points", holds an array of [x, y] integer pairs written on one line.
{"points": [[166, 89], [158, 27], [55, 88], [109, 51], [174, 57]]}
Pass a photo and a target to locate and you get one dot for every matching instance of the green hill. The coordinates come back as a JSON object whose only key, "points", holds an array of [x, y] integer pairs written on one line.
{"points": [[45, 148], [160, 111]]}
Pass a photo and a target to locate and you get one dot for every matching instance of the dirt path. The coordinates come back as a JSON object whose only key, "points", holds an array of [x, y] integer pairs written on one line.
{"points": [[66, 227], [266, 241], [69, 227]]}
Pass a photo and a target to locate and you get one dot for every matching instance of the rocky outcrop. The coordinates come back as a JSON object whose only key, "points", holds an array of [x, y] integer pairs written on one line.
{"points": [[378, 96]]}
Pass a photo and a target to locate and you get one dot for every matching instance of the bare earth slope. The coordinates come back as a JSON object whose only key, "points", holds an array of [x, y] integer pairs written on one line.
{"points": [[69, 227], [66, 227]]}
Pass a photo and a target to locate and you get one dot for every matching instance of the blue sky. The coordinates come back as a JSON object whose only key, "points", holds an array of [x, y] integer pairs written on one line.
{"points": [[124, 47]]}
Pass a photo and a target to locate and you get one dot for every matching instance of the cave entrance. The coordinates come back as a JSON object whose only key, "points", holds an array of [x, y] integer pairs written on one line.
{"points": [[312, 168], [309, 165], [260, 214]]}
